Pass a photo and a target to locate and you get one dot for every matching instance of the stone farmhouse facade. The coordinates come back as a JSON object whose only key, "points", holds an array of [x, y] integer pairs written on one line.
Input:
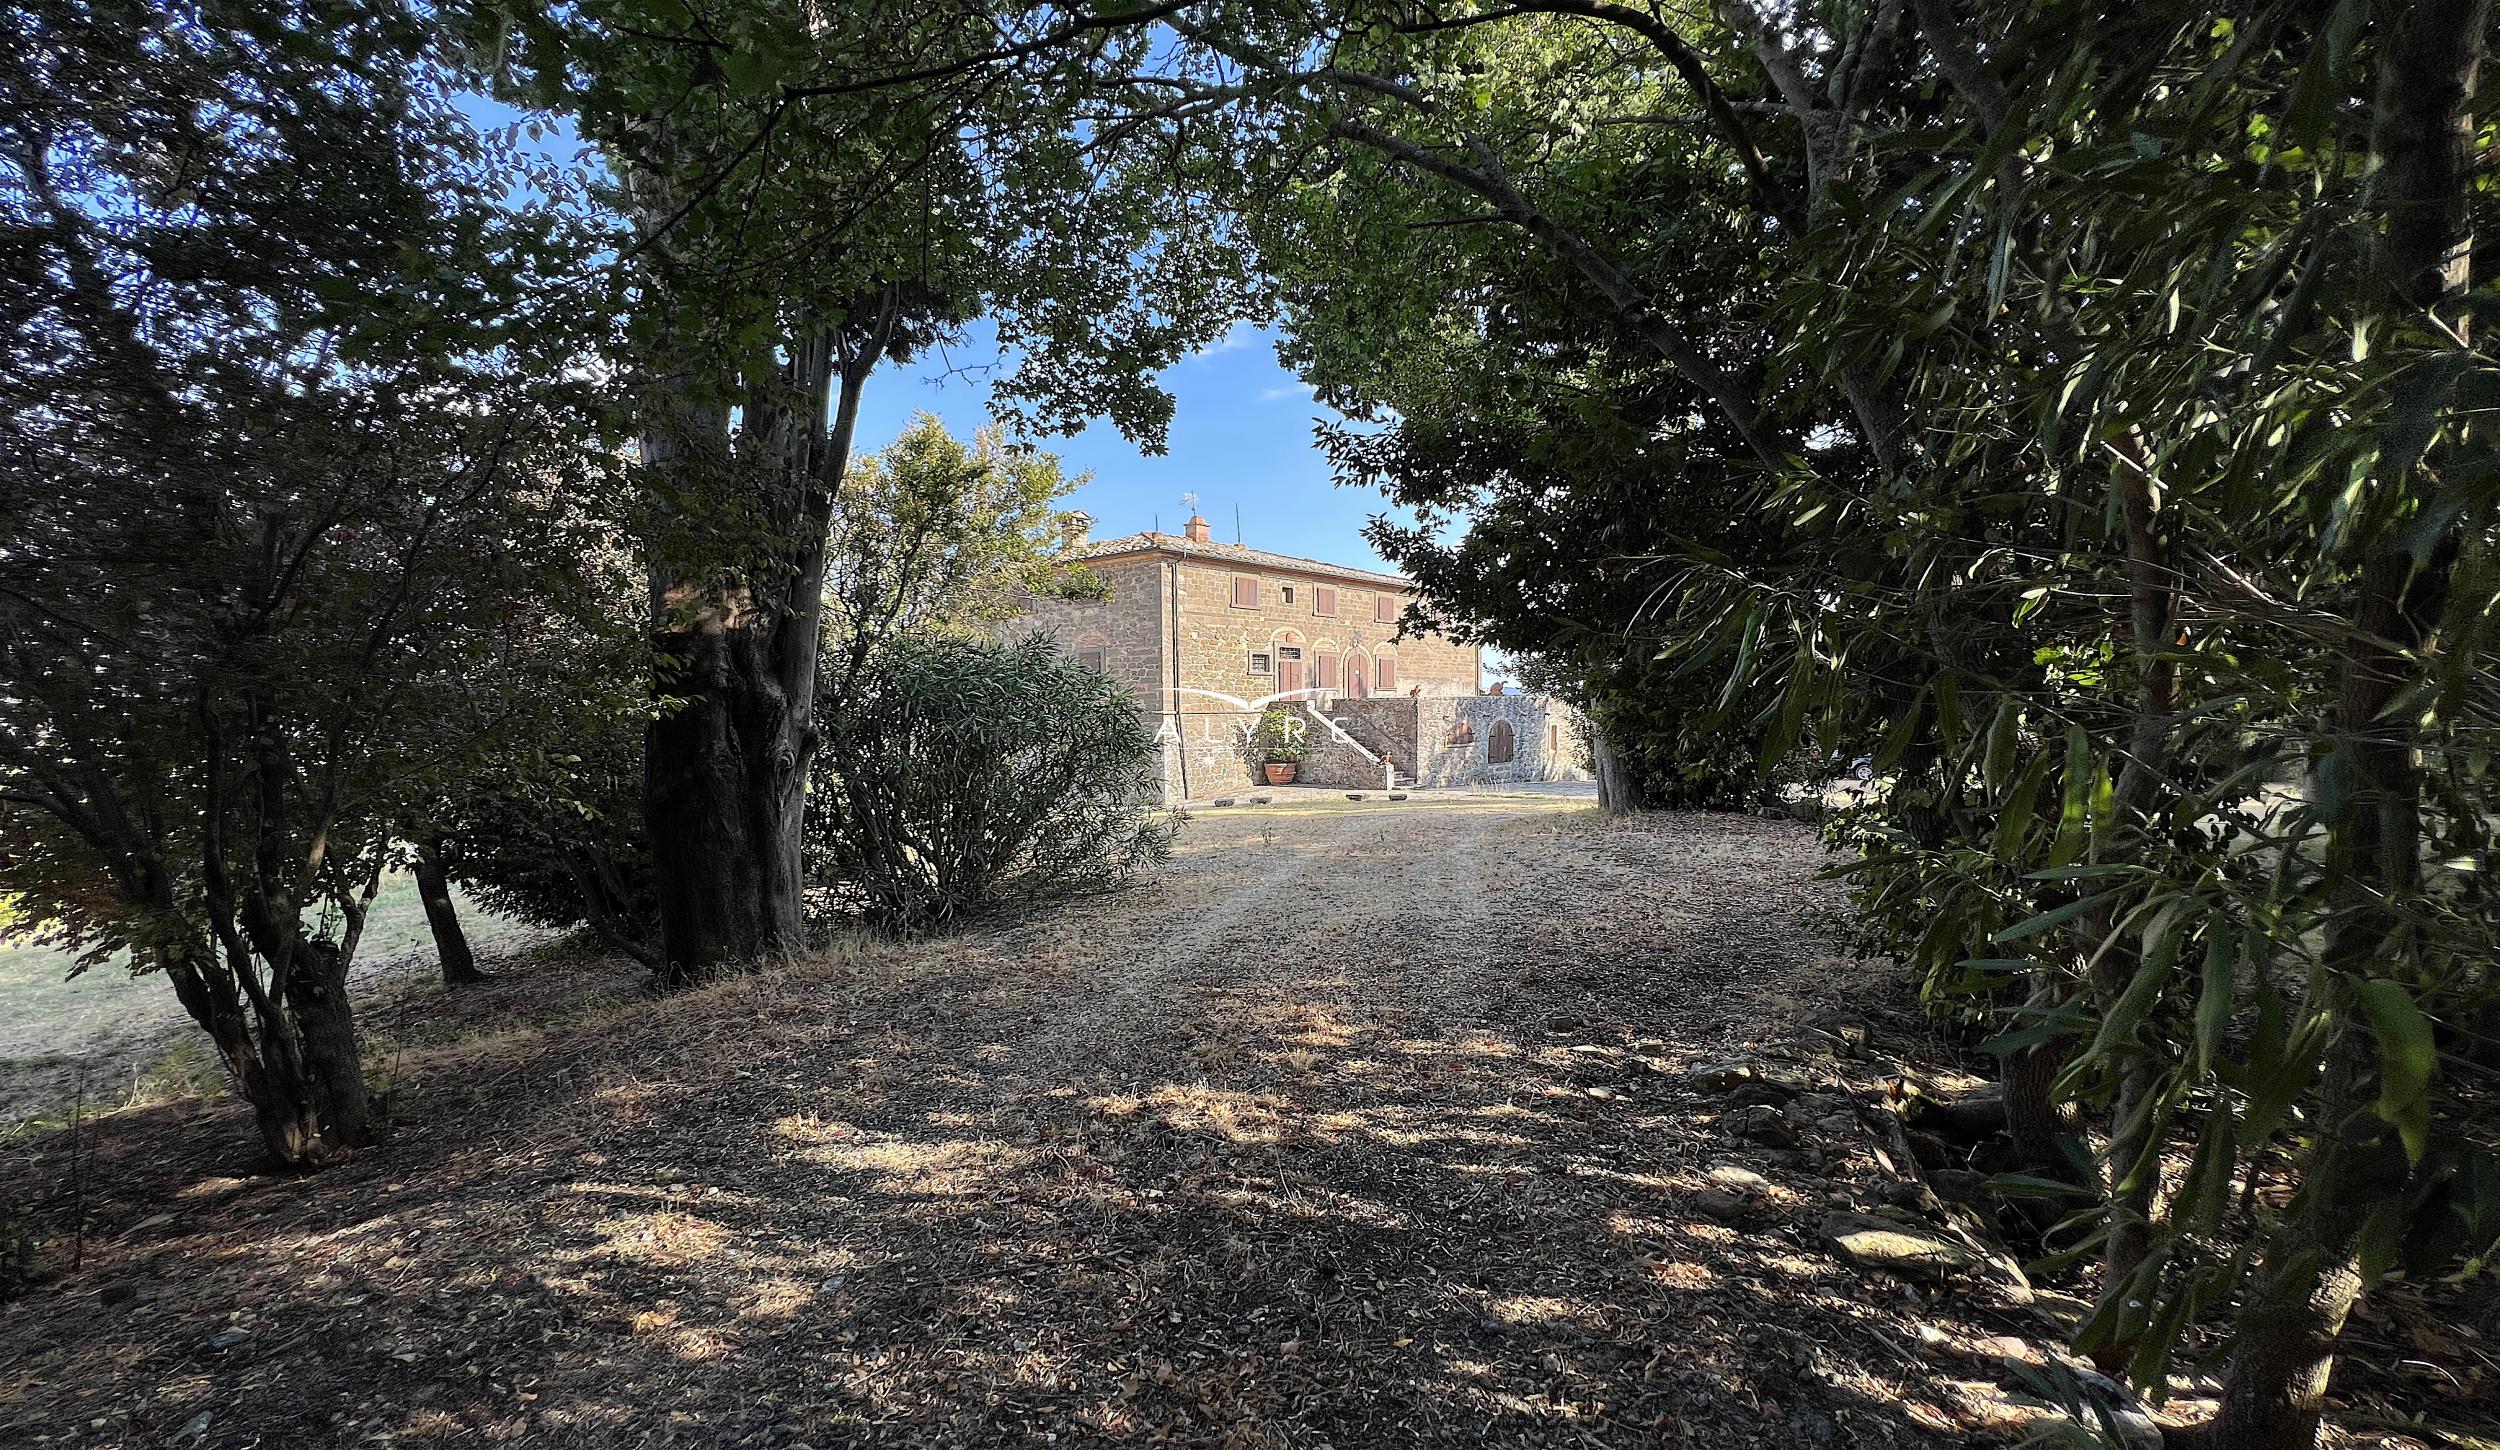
{"points": [[1208, 636]]}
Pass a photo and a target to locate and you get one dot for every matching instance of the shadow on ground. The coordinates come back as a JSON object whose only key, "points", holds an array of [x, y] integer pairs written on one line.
{"points": [[1356, 1129]]}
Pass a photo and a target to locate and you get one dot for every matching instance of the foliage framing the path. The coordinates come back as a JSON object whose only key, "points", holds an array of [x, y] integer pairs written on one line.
{"points": [[280, 443], [2108, 385]]}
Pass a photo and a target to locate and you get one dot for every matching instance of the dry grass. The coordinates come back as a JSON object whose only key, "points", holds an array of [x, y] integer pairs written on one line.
{"points": [[1361, 1127]]}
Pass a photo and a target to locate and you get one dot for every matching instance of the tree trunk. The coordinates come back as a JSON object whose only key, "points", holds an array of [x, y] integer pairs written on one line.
{"points": [[724, 786], [308, 1103], [2284, 1351], [2136, 1120], [725, 771], [316, 998], [451, 944], [1618, 791]]}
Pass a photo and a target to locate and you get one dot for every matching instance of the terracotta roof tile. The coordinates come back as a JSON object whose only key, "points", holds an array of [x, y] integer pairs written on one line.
{"points": [[1233, 554]]}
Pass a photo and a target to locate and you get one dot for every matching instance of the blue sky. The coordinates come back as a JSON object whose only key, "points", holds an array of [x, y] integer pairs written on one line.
{"points": [[1242, 437]]}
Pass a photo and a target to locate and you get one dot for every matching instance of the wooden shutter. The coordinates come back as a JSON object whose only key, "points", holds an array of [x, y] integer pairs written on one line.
{"points": [[1384, 609], [1324, 600], [1500, 744], [1324, 667], [1385, 673], [1245, 593]]}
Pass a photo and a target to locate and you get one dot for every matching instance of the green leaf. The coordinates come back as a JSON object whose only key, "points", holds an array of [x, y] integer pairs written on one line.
{"points": [[2033, 926], [2027, 1185], [2145, 987], [2015, 816], [2214, 999], [2004, 737], [2407, 1057]]}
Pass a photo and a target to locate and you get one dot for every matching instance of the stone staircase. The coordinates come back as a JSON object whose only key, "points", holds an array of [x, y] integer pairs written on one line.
{"points": [[1337, 732], [1364, 736]]}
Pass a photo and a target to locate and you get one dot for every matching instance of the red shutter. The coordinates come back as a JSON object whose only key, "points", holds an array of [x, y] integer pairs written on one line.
{"points": [[1385, 673], [1325, 667], [1384, 609], [1324, 600], [1245, 593]]}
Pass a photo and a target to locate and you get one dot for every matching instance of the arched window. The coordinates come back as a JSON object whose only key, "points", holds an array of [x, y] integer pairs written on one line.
{"points": [[1500, 746]]}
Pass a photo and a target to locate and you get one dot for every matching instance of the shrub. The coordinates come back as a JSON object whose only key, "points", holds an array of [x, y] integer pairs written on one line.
{"points": [[961, 775], [1280, 737], [567, 850]]}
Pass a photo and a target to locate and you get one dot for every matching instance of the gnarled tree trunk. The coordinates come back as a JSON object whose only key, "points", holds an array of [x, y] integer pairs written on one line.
{"points": [[734, 642]]}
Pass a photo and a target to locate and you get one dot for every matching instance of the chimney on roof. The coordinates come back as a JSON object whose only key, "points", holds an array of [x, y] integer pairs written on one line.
{"points": [[1074, 525], [1197, 528]]}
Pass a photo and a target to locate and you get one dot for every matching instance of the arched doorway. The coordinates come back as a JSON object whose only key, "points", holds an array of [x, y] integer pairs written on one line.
{"points": [[1358, 675], [1501, 744]]}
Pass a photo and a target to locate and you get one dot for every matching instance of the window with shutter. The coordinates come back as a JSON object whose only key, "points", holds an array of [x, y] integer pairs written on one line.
{"points": [[1324, 600], [1245, 593], [1385, 673], [1384, 609], [1324, 668]]}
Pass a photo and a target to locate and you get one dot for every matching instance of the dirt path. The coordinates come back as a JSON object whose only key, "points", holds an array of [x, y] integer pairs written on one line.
{"points": [[1363, 1126]]}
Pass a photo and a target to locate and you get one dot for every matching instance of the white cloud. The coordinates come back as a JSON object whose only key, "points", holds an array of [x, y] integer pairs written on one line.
{"points": [[1303, 391], [1235, 338]]}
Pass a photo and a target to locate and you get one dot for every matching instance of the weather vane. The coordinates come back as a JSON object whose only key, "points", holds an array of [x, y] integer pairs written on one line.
{"points": [[1189, 501]]}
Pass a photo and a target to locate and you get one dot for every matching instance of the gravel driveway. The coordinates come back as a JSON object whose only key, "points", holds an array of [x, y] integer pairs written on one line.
{"points": [[1364, 1125]]}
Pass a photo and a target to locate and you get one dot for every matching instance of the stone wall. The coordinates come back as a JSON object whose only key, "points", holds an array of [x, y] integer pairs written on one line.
{"points": [[1217, 639], [1151, 593], [1124, 627], [1338, 758], [1455, 738], [1207, 722]]}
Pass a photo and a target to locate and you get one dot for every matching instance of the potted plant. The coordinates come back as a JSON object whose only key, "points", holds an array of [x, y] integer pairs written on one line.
{"points": [[1281, 745]]}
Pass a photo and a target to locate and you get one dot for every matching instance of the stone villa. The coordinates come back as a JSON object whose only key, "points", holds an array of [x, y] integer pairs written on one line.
{"points": [[1207, 636]]}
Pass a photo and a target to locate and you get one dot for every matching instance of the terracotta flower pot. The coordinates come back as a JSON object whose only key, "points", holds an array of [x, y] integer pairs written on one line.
{"points": [[1280, 772]]}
